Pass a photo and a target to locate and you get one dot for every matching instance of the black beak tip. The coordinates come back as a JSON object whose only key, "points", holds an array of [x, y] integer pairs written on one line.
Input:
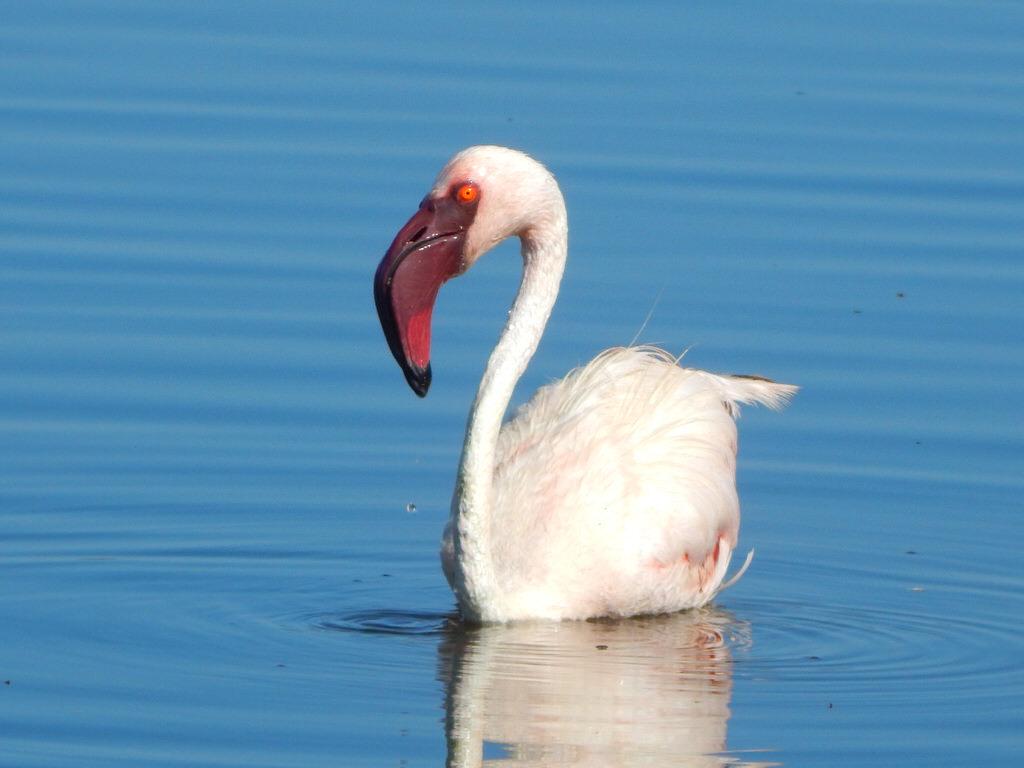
{"points": [[418, 378]]}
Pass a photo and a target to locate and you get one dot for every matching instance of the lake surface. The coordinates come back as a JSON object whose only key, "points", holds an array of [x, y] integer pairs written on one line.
{"points": [[220, 504]]}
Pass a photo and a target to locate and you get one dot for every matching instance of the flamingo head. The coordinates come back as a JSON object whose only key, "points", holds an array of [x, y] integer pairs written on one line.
{"points": [[482, 196]]}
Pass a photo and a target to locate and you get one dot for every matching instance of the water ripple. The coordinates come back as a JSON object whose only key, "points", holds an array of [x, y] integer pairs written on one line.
{"points": [[381, 622], [856, 649]]}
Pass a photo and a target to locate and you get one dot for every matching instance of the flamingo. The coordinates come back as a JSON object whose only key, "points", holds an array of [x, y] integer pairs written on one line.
{"points": [[612, 492]]}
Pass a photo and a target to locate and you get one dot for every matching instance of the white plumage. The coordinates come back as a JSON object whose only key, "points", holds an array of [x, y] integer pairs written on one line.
{"points": [[612, 491]]}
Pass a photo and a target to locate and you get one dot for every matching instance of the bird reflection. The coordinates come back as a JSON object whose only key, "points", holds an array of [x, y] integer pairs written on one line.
{"points": [[643, 691]]}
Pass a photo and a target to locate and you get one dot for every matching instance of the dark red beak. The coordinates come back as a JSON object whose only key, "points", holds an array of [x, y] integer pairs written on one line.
{"points": [[425, 253]]}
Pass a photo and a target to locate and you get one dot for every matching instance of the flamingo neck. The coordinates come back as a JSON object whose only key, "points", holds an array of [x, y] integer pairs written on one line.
{"points": [[544, 251]]}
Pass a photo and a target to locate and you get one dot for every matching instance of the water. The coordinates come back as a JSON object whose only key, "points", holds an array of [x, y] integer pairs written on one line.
{"points": [[220, 504]]}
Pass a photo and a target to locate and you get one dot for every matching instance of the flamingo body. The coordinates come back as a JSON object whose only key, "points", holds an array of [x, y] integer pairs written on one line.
{"points": [[612, 491], [615, 490]]}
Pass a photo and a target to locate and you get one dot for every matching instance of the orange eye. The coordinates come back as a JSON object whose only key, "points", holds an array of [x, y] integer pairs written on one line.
{"points": [[467, 193]]}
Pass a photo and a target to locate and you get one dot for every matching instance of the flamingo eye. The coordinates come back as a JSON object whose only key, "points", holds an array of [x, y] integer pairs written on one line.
{"points": [[467, 193]]}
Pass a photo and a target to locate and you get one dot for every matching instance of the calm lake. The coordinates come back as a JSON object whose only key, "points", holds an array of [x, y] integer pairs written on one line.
{"points": [[220, 503]]}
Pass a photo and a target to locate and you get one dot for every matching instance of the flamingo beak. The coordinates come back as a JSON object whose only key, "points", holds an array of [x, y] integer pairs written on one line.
{"points": [[425, 253]]}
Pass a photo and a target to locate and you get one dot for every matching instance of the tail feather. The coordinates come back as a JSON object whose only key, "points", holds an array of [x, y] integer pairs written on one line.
{"points": [[735, 577], [751, 390]]}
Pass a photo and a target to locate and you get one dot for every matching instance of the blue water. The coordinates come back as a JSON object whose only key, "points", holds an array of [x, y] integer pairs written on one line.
{"points": [[220, 504]]}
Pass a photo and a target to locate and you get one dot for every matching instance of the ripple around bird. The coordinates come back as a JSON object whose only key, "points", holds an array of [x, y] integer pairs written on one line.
{"points": [[856, 648], [407, 623]]}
